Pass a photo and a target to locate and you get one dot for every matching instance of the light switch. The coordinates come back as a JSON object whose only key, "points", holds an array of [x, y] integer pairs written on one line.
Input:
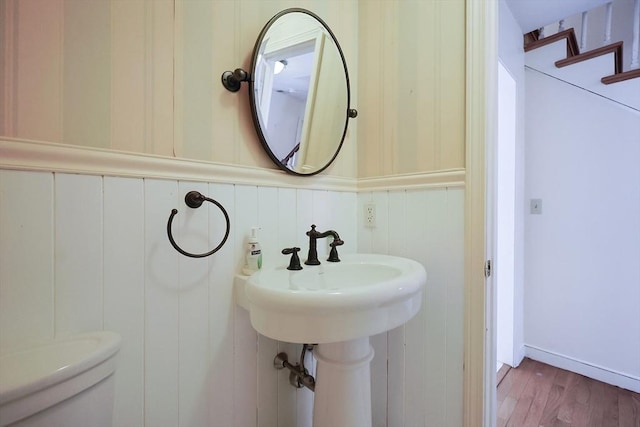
{"points": [[536, 206]]}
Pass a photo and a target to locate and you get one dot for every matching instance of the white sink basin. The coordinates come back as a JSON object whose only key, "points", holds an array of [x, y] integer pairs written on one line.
{"points": [[362, 295]]}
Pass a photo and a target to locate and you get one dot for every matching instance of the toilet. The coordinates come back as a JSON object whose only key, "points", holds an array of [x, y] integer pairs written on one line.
{"points": [[67, 382]]}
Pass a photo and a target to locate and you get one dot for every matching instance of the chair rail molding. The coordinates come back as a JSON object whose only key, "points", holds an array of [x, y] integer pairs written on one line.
{"points": [[25, 155], [20, 154]]}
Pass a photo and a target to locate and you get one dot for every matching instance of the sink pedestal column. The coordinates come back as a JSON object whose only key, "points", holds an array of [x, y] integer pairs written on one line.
{"points": [[343, 384]]}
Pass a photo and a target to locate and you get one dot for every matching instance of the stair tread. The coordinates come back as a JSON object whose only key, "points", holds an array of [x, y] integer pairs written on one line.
{"points": [[619, 77], [569, 35], [615, 48]]}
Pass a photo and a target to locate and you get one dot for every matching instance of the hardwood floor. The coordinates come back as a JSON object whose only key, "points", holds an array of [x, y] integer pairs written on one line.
{"points": [[537, 395]]}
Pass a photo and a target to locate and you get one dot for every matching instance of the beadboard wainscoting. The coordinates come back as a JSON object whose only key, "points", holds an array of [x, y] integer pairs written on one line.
{"points": [[85, 252], [417, 368]]}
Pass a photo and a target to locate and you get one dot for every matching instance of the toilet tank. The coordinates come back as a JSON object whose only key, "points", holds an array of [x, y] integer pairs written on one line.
{"points": [[67, 382]]}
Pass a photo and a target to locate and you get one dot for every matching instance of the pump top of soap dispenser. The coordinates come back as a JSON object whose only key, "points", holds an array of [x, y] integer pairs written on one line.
{"points": [[253, 238]]}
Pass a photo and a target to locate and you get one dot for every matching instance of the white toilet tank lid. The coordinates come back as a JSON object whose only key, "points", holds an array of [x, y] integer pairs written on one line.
{"points": [[38, 367]]}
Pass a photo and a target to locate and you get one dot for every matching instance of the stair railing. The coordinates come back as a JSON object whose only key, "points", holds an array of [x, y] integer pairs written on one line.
{"points": [[606, 39], [584, 31], [636, 36], [607, 24]]}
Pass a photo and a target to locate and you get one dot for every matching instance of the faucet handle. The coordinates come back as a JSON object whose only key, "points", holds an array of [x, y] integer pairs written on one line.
{"points": [[333, 253], [294, 263]]}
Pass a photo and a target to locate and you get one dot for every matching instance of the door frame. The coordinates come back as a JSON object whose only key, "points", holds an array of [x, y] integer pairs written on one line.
{"points": [[479, 377]]}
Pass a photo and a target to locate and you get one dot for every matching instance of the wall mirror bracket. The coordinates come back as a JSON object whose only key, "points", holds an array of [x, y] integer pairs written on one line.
{"points": [[232, 80]]}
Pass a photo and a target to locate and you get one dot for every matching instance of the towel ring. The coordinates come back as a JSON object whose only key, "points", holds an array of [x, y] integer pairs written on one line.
{"points": [[194, 200]]}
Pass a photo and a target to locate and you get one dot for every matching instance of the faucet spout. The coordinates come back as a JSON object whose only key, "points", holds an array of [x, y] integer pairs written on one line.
{"points": [[312, 258]]}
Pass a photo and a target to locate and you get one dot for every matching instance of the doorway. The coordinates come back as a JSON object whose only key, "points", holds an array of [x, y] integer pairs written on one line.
{"points": [[505, 161]]}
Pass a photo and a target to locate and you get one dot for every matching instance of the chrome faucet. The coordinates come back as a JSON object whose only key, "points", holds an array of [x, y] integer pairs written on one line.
{"points": [[312, 258]]}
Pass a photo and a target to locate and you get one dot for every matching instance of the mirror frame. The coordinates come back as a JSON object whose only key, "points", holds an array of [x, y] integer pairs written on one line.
{"points": [[349, 113]]}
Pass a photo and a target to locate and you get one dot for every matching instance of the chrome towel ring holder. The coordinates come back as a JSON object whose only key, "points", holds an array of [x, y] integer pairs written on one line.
{"points": [[194, 200]]}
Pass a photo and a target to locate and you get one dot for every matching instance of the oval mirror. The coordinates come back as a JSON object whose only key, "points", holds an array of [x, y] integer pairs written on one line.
{"points": [[299, 92]]}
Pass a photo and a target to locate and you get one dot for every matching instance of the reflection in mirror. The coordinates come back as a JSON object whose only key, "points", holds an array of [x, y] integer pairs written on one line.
{"points": [[299, 92]]}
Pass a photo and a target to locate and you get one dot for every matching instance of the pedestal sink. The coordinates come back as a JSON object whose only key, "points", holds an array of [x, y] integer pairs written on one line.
{"points": [[337, 306]]}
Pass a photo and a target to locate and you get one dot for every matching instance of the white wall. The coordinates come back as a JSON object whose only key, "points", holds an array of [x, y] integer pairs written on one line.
{"points": [[511, 55], [583, 252]]}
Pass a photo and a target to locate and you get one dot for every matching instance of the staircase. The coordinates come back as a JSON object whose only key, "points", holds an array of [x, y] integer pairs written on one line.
{"points": [[559, 53]]}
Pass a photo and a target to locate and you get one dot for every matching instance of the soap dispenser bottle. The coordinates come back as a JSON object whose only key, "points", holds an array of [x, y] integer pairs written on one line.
{"points": [[254, 254]]}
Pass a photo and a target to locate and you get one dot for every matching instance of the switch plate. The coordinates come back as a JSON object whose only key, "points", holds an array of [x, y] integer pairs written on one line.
{"points": [[370, 215], [536, 206]]}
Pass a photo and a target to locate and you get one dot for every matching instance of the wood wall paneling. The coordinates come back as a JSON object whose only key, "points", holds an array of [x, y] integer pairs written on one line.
{"points": [[288, 236], [37, 28], [160, 86], [220, 376], [26, 263], [245, 337], [398, 235], [7, 74], [124, 291], [86, 79], [144, 77], [417, 369], [267, 211], [113, 75], [342, 18], [420, 98], [415, 386], [343, 217], [194, 310], [78, 254], [129, 28], [224, 123], [162, 305], [197, 81], [451, 106], [452, 261], [412, 93], [370, 80], [189, 354]]}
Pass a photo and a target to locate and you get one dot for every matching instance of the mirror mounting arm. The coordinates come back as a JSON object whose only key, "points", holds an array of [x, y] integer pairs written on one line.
{"points": [[232, 80]]}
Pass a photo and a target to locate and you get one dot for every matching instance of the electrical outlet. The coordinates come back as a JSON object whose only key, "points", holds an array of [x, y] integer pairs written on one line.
{"points": [[536, 206], [370, 215]]}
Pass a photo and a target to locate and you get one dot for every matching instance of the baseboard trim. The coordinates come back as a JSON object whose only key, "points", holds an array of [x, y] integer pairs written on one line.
{"points": [[520, 354], [581, 367]]}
